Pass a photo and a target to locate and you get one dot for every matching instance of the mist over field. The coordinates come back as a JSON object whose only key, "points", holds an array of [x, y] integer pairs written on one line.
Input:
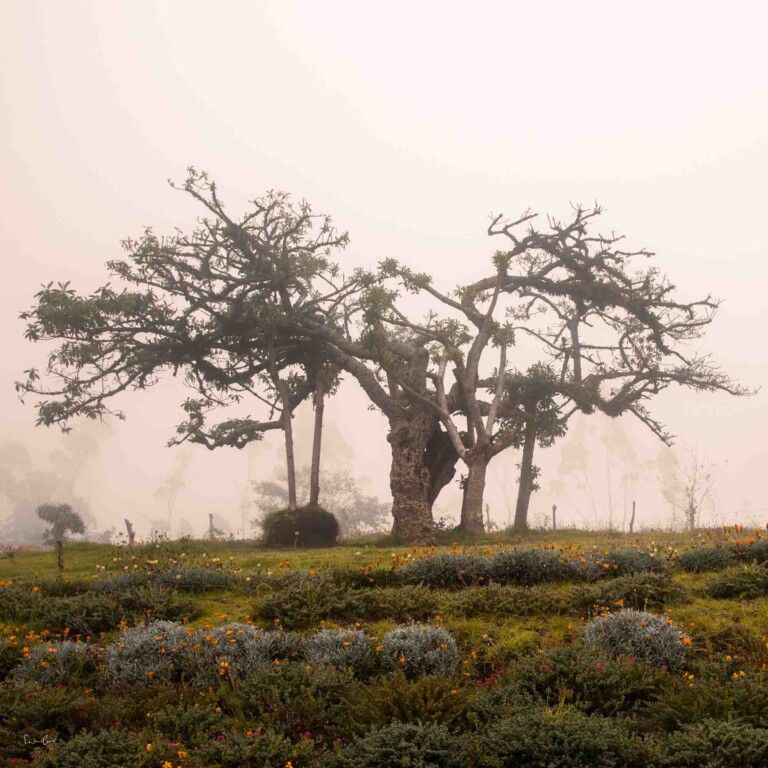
{"points": [[659, 114]]}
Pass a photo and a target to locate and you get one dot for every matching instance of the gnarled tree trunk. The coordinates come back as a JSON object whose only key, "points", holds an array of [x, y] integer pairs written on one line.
{"points": [[474, 488], [409, 478]]}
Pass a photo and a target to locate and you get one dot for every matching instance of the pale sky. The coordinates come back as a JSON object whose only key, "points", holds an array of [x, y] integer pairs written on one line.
{"points": [[409, 123]]}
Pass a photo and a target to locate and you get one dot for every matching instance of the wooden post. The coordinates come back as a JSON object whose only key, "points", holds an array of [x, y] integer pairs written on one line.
{"points": [[632, 518], [131, 532], [554, 517]]}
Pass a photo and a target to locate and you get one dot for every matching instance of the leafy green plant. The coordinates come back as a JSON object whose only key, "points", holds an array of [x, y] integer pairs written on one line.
{"points": [[701, 559], [401, 745], [715, 744], [530, 566], [745, 582], [447, 570]]}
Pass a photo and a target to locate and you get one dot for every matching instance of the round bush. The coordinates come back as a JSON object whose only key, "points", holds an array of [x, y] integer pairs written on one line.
{"points": [[304, 527], [706, 559], [397, 745], [419, 649], [342, 648], [149, 653], [643, 636], [58, 663], [446, 570]]}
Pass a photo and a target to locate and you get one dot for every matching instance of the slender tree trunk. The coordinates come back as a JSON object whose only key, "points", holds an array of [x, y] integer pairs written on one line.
{"points": [[290, 462], [526, 477], [409, 479], [317, 439], [472, 503]]}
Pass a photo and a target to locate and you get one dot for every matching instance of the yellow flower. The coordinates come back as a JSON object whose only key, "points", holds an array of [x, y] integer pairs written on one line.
{"points": [[182, 753], [686, 640], [167, 764], [149, 747]]}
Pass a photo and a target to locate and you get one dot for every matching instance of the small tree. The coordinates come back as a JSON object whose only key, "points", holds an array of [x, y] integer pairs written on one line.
{"points": [[63, 519]]}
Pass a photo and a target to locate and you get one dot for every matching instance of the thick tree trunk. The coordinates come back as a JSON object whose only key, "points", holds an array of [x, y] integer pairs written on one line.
{"points": [[526, 477], [472, 503], [290, 462], [317, 438], [409, 479]]}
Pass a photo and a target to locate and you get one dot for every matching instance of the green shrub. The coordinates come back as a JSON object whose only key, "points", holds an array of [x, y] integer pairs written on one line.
{"points": [[685, 702], [57, 663], [529, 566], [190, 721], [404, 745], [745, 582], [10, 656], [263, 749], [716, 744], [409, 603], [419, 649], [641, 591], [756, 552], [195, 580], [304, 527], [297, 699], [643, 636], [121, 582], [562, 738], [447, 570], [623, 562], [366, 577], [343, 648], [106, 749], [41, 711], [306, 602], [704, 559], [432, 698], [595, 685]]}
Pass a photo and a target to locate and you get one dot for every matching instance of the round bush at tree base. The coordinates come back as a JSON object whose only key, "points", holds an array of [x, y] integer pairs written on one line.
{"points": [[643, 636], [403, 745], [304, 527], [420, 650]]}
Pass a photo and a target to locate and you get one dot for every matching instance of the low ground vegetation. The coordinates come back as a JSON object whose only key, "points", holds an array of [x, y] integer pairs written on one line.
{"points": [[566, 653]]}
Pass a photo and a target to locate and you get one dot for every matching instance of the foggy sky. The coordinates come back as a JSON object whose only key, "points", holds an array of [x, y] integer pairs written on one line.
{"points": [[409, 124]]}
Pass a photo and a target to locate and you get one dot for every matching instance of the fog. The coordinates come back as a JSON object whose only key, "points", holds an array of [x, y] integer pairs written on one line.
{"points": [[409, 125]]}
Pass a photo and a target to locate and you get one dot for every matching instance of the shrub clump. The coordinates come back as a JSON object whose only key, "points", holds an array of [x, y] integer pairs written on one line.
{"points": [[716, 744], [529, 566], [447, 570], [195, 580], [57, 663], [745, 582], [704, 559], [343, 648], [106, 749], [563, 739], [418, 745], [420, 649], [638, 590], [643, 636], [148, 653], [234, 651], [304, 527]]}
